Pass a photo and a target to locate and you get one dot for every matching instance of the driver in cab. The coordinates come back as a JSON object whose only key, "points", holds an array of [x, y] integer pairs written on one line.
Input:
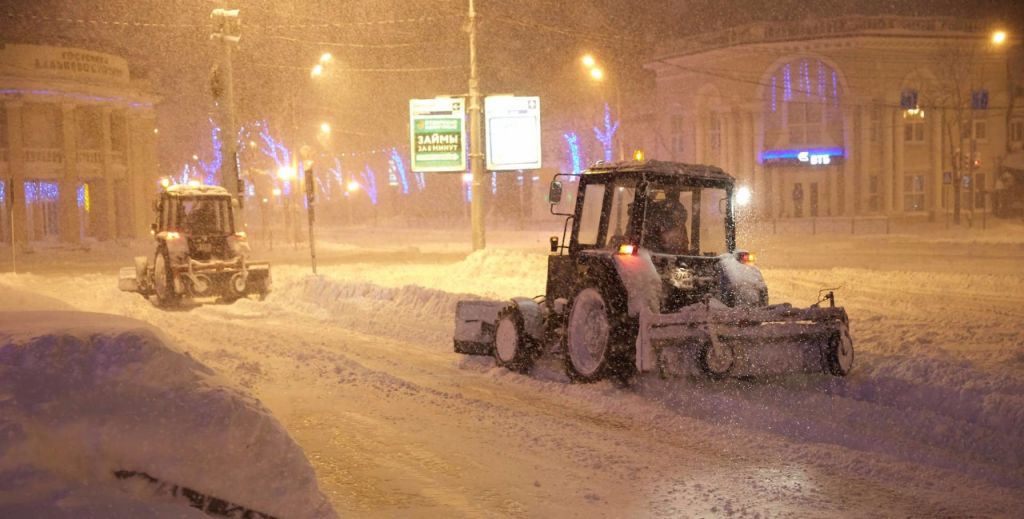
{"points": [[665, 225]]}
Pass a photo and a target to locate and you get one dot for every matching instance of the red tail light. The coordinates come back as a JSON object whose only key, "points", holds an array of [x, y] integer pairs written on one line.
{"points": [[628, 249], [747, 258]]}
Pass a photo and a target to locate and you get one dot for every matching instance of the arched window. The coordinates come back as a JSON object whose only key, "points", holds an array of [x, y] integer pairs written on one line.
{"points": [[802, 106]]}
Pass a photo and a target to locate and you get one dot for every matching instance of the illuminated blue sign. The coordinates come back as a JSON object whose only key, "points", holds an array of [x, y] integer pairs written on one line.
{"points": [[811, 156]]}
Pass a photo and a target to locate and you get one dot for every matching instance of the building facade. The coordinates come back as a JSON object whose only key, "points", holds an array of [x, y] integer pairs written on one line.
{"points": [[77, 146], [850, 116]]}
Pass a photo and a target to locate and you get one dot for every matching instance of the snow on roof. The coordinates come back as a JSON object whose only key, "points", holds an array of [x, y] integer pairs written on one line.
{"points": [[662, 168], [200, 190]]}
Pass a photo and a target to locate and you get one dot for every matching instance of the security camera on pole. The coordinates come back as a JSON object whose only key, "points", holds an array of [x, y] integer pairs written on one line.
{"points": [[226, 26]]}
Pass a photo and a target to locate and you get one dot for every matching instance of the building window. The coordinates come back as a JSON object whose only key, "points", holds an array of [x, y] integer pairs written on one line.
{"points": [[980, 130], [803, 107], [90, 128], [913, 132], [715, 131], [677, 134], [1017, 130], [42, 126], [913, 193], [873, 192]]}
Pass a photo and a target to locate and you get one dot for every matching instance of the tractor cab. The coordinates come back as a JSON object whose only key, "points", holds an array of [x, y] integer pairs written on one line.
{"points": [[680, 216]]}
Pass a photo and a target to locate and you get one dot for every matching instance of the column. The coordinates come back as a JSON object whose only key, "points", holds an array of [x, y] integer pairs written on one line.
{"points": [[109, 228], [935, 186], [852, 163], [762, 191], [16, 161], [864, 166], [886, 176], [700, 126], [746, 148], [68, 220], [899, 143], [143, 169]]}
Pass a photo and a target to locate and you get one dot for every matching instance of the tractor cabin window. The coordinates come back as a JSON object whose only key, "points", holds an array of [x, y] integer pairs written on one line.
{"points": [[684, 220], [590, 216]]}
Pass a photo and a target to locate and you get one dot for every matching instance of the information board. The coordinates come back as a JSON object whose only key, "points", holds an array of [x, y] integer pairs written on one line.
{"points": [[513, 132], [438, 134]]}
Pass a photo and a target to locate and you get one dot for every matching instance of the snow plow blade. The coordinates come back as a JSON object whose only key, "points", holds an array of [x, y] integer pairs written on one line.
{"points": [[741, 342]]}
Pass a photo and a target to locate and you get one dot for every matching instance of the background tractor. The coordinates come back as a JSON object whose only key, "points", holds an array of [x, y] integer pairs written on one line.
{"points": [[198, 251], [651, 280]]}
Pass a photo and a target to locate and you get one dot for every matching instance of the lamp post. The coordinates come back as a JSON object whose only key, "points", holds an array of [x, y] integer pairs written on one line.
{"points": [[597, 74]]}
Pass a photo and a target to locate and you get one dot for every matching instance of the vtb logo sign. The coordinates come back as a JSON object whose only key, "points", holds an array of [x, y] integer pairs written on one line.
{"points": [[814, 159]]}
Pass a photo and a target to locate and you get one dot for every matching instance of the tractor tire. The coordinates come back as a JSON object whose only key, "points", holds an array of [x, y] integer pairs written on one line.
{"points": [[163, 280], [513, 348], [589, 337], [715, 362], [839, 354]]}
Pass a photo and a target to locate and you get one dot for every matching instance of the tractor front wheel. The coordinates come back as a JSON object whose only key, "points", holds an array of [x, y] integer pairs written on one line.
{"points": [[163, 279], [589, 336], [513, 349]]}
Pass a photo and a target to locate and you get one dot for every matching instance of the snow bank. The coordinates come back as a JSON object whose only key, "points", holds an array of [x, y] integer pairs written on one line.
{"points": [[83, 395]]}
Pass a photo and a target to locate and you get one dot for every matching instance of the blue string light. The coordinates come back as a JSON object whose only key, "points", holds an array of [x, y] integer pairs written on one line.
{"points": [[607, 136], [787, 83], [573, 141], [369, 183]]}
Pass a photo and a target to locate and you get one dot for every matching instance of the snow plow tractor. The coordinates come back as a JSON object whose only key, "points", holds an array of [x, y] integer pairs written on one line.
{"points": [[199, 253], [651, 280]]}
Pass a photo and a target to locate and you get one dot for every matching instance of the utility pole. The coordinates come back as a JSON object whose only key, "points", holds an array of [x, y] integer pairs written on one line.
{"points": [[476, 148], [226, 27]]}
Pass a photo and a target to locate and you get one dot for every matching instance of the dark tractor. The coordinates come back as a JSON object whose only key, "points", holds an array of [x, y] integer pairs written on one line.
{"points": [[651, 280]]}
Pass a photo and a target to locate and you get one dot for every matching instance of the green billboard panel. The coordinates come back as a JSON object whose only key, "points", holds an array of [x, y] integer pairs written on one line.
{"points": [[438, 134]]}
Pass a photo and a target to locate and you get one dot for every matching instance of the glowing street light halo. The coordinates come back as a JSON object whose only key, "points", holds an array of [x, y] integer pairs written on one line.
{"points": [[325, 127], [597, 73], [318, 70], [588, 60], [285, 173], [999, 37], [743, 196], [326, 57], [352, 186]]}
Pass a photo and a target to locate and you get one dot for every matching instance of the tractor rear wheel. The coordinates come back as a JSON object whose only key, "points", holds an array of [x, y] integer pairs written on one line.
{"points": [[589, 337], [513, 349]]}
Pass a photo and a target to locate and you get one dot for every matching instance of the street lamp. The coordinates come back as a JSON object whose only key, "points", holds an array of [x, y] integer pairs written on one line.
{"points": [[326, 57], [317, 71], [999, 37], [325, 128]]}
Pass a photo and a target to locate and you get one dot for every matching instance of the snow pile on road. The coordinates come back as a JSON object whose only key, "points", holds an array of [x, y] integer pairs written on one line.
{"points": [[83, 396]]}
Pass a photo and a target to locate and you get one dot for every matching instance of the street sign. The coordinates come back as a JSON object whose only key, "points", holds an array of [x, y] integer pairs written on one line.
{"points": [[513, 132], [438, 134]]}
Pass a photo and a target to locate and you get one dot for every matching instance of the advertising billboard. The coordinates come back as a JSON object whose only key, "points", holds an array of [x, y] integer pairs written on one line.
{"points": [[513, 132], [438, 134]]}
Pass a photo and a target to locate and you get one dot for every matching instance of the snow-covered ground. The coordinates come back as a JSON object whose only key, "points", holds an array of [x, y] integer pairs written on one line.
{"points": [[357, 366]]}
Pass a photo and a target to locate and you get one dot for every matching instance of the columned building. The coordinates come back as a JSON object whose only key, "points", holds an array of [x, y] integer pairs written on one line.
{"points": [[847, 116], [77, 146]]}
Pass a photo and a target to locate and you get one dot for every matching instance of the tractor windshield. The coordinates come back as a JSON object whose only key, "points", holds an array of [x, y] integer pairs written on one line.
{"points": [[685, 220], [203, 215]]}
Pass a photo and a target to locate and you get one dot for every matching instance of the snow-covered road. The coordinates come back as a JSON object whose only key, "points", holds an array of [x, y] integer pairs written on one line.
{"points": [[357, 365]]}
